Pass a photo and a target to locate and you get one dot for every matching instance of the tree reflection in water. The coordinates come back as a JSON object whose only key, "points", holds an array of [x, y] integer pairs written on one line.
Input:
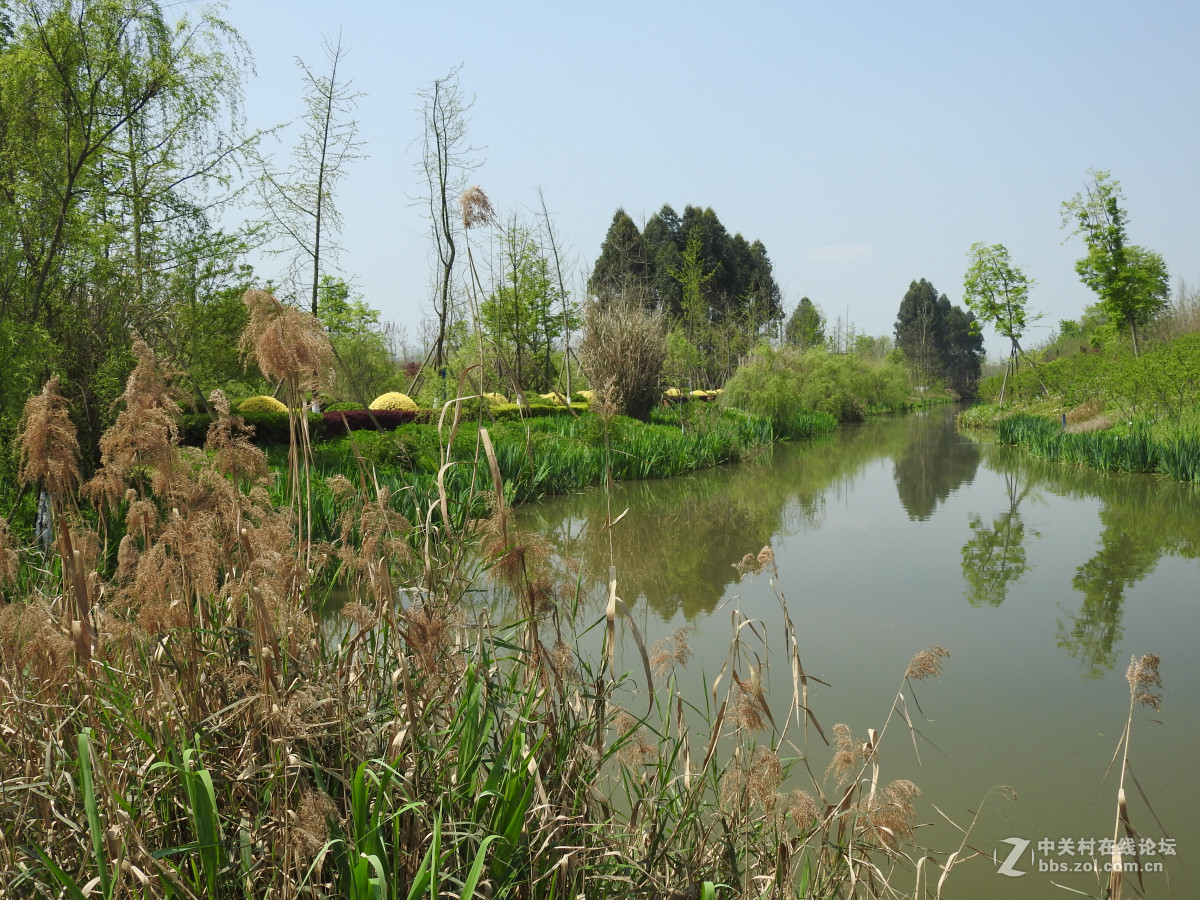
{"points": [[677, 546], [1144, 518], [994, 558], [936, 462]]}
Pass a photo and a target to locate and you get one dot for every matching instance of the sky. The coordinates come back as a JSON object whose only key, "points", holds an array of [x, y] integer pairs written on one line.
{"points": [[867, 145]]}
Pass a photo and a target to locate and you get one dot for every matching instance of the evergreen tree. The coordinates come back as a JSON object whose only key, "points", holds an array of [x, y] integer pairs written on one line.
{"points": [[939, 340], [806, 326], [622, 268]]}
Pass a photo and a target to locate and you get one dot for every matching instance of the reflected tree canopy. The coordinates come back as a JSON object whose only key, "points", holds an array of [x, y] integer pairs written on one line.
{"points": [[1143, 518], [993, 558], [936, 462], [676, 548]]}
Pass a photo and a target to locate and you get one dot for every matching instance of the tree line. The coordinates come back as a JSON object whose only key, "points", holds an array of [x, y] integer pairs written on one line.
{"points": [[718, 290]]}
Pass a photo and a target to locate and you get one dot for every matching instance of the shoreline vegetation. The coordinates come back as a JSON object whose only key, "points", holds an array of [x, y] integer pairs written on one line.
{"points": [[180, 721], [198, 732], [1104, 408]]}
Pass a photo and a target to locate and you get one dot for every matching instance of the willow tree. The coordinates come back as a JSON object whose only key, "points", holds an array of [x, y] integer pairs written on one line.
{"points": [[118, 125]]}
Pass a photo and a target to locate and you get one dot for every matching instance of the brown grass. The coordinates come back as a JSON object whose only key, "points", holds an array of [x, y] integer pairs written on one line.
{"points": [[48, 442], [623, 349], [1087, 417], [476, 208], [286, 343]]}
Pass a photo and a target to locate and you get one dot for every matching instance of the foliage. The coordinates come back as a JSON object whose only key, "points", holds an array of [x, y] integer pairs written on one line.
{"points": [[777, 383], [720, 290], [1136, 451], [940, 341], [394, 400], [1162, 384], [622, 353], [769, 384], [996, 290], [262, 403], [364, 365], [805, 328], [1130, 281], [341, 421], [120, 128]]}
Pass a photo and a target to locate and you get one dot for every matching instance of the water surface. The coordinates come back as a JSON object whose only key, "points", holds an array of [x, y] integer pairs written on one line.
{"points": [[1041, 580]]}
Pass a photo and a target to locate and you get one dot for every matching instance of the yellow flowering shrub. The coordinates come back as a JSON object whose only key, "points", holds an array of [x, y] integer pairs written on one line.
{"points": [[394, 400], [261, 404]]}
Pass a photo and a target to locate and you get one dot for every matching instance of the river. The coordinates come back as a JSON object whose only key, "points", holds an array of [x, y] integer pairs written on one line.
{"points": [[1041, 580]]}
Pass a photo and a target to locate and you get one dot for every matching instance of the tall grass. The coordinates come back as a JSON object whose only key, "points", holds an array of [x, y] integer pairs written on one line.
{"points": [[1136, 451], [179, 722]]}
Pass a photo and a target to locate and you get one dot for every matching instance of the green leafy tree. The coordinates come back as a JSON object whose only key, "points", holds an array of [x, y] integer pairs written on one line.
{"points": [[119, 129], [805, 326], [364, 365], [997, 291], [1131, 282], [523, 317]]}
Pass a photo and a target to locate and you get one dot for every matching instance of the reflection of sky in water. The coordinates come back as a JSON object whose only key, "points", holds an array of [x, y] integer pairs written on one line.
{"points": [[869, 531]]}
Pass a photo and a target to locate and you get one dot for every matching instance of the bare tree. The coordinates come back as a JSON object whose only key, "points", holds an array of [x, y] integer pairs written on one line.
{"points": [[446, 163], [299, 200], [563, 293]]}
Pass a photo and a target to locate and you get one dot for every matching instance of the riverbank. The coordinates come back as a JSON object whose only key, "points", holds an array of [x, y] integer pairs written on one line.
{"points": [[419, 464], [1108, 409], [201, 732]]}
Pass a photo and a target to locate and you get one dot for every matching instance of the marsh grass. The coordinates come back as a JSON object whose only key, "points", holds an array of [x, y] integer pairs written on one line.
{"points": [[179, 722], [1136, 450]]}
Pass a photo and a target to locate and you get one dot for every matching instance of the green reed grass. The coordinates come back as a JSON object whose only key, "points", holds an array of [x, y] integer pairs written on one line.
{"points": [[1137, 450]]}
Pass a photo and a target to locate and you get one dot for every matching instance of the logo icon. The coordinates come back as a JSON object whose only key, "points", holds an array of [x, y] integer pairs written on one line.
{"points": [[1007, 867]]}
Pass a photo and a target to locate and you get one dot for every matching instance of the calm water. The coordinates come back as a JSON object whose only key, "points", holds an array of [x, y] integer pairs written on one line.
{"points": [[1040, 580]]}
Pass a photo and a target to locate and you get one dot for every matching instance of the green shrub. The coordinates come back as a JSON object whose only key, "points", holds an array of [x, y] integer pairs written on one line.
{"points": [[769, 385]]}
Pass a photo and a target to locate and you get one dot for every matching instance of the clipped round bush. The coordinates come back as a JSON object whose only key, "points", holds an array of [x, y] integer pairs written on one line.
{"points": [[586, 396], [394, 400], [261, 403], [496, 399], [554, 397]]}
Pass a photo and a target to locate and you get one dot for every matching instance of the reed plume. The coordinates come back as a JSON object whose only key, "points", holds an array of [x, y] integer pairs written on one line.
{"points": [[8, 556], [476, 208], [48, 442], [287, 344], [144, 437]]}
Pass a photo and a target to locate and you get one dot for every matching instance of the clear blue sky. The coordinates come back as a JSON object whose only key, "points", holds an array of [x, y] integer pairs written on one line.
{"points": [[866, 144]]}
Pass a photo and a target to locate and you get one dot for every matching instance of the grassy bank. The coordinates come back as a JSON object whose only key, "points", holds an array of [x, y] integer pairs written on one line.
{"points": [[1134, 449], [418, 463], [1106, 409], [178, 721]]}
